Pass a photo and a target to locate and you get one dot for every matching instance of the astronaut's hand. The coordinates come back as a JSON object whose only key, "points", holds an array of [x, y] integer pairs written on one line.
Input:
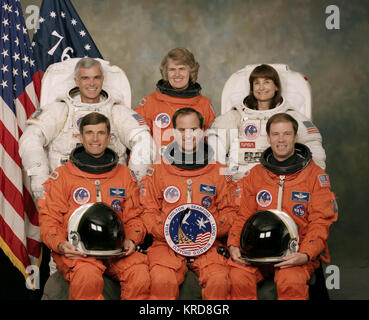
{"points": [[129, 247], [70, 250], [235, 253], [36, 186], [293, 260]]}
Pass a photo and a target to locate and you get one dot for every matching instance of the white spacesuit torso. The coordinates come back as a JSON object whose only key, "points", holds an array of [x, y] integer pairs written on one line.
{"points": [[52, 133], [245, 146], [60, 148], [239, 136]]}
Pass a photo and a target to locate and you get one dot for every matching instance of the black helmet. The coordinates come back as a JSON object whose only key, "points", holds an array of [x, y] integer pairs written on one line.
{"points": [[96, 230], [268, 236]]}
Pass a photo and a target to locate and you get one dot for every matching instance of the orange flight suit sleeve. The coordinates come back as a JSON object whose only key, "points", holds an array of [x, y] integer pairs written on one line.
{"points": [[53, 206], [321, 216], [132, 210], [208, 113], [227, 207], [246, 209], [151, 199]]}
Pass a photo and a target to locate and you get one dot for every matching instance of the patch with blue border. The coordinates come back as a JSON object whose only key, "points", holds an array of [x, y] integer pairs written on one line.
{"points": [[208, 189], [117, 192], [300, 196]]}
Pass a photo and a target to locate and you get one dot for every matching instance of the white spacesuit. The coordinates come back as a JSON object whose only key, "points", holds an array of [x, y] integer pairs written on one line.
{"points": [[53, 130], [239, 135]]}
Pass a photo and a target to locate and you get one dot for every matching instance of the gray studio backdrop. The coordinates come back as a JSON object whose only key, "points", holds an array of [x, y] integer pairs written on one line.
{"points": [[224, 36]]}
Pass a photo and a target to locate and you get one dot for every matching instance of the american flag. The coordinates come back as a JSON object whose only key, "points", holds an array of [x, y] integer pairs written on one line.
{"points": [[310, 127], [61, 35], [201, 240], [19, 88], [141, 121]]}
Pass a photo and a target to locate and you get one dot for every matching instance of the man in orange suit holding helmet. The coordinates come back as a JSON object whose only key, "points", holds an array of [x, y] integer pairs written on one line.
{"points": [[288, 180], [93, 175]]}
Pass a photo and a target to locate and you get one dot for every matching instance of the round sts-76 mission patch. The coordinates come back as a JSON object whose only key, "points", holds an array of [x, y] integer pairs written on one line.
{"points": [[190, 230]]}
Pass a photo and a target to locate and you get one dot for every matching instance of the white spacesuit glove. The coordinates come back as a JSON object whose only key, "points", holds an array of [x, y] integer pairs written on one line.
{"points": [[241, 172], [238, 170], [143, 153], [34, 158], [217, 142], [233, 155], [36, 186]]}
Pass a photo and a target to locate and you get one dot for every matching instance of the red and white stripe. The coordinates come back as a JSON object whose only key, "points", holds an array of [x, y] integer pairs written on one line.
{"points": [[201, 240], [19, 227]]}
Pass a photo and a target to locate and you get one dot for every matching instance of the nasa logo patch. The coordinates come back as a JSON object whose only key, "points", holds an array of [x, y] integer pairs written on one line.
{"points": [[81, 195], [264, 198], [206, 202], [162, 120], [190, 230], [299, 210], [116, 205], [172, 194], [251, 132]]}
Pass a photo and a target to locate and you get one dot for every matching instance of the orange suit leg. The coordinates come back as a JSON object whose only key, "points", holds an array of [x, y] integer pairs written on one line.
{"points": [[164, 283], [133, 275], [84, 276], [244, 280], [292, 282], [216, 282], [213, 273], [167, 272]]}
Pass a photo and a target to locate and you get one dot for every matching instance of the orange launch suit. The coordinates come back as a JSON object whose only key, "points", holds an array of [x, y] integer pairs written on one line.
{"points": [[85, 274], [307, 198], [167, 268]]}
